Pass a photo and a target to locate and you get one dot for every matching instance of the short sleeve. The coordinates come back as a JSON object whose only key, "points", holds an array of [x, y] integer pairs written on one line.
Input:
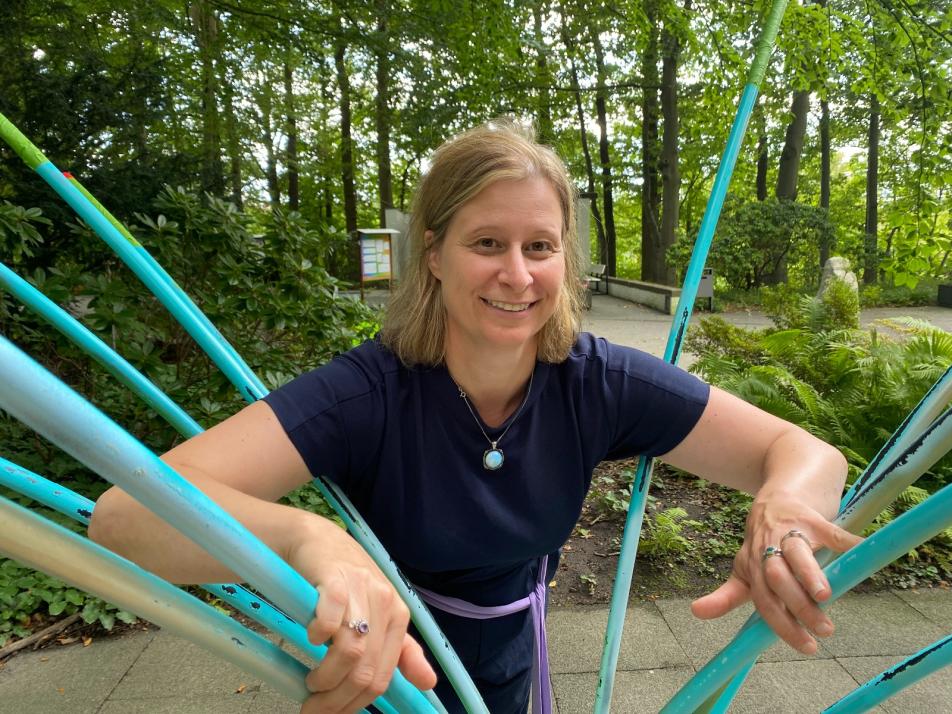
{"points": [[648, 406], [334, 417]]}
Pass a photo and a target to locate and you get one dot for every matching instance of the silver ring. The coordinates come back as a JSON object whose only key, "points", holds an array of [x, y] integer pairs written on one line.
{"points": [[360, 626], [794, 533], [771, 551]]}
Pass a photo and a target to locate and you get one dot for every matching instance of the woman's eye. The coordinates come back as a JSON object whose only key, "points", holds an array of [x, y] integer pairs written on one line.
{"points": [[539, 246], [486, 243]]}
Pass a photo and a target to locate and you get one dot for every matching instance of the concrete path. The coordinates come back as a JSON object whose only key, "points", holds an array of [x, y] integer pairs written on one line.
{"points": [[663, 645]]}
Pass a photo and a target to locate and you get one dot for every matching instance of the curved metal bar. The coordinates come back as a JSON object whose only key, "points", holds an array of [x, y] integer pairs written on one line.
{"points": [[80, 508], [893, 680], [40, 544], [928, 408], [54, 410], [99, 351], [155, 267], [629, 548], [875, 552]]}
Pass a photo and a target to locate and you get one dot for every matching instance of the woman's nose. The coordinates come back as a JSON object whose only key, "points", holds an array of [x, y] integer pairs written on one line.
{"points": [[515, 270]]}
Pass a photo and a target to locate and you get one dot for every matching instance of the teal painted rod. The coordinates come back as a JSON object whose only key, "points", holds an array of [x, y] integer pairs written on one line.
{"points": [[875, 552], [98, 350], [157, 285], [42, 545], [903, 674], [621, 588]]}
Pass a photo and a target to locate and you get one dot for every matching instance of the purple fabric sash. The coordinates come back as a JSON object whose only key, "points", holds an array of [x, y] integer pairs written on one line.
{"points": [[535, 602]]}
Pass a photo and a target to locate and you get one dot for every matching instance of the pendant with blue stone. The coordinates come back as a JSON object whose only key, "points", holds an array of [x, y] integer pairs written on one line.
{"points": [[493, 458]]}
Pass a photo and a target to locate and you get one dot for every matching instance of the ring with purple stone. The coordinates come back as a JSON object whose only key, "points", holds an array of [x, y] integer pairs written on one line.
{"points": [[360, 626]]}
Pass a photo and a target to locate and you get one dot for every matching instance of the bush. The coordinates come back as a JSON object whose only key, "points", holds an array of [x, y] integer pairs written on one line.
{"points": [[849, 387], [755, 237], [260, 279]]}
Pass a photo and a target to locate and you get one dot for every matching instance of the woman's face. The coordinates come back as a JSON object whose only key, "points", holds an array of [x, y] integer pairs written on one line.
{"points": [[501, 265]]}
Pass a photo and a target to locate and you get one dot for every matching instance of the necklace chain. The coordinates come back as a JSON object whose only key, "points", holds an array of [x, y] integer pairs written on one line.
{"points": [[492, 443]]}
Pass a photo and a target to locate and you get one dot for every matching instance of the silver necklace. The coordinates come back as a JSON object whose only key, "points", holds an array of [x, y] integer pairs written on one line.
{"points": [[493, 457]]}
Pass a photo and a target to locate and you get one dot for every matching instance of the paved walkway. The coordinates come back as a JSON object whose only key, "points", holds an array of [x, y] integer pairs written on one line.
{"points": [[153, 672]]}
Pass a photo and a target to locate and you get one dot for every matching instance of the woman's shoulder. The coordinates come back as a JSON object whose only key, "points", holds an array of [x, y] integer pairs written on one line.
{"points": [[596, 355], [357, 373]]}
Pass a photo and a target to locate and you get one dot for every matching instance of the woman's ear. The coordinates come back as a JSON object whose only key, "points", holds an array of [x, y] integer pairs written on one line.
{"points": [[432, 254]]}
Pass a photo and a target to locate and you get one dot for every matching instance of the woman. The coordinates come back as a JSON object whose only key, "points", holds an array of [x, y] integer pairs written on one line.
{"points": [[466, 434]]}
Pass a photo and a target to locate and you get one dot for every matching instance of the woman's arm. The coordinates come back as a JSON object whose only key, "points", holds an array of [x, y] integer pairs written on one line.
{"points": [[244, 464], [797, 481]]}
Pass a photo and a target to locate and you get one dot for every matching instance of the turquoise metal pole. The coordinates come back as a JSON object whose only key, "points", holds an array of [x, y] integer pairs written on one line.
{"points": [[133, 258], [42, 545], [866, 697], [98, 350], [928, 408], [884, 549], [877, 487], [80, 509], [32, 395], [156, 268], [440, 647], [629, 548]]}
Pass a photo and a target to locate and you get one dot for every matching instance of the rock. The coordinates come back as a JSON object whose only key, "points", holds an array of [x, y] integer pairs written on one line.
{"points": [[838, 268]]}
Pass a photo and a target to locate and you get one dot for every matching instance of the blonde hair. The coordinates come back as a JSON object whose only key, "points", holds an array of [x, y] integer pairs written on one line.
{"points": [[415, 325]]}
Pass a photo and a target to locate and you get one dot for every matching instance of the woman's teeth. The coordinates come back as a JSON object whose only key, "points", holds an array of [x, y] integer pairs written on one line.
{"points": [[510, 306]]}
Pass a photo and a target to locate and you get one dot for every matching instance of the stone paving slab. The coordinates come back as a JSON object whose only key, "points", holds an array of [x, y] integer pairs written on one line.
{"points": [[576, 637], [224, 704], [795, 687], [635, 692], [702, 639], [879, 624], [932, 695], [68, 679], [936, 605], [171, 665]]}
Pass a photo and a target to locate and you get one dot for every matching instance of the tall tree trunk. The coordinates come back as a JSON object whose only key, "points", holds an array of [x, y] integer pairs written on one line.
{"points": [[825, 177], [265, 100], [292, 145], [871, 267], [346, 141], [763, 156], [234, 146], [205, 21], [652, 255], [611, 260], [789, 170], [546, 132], [670, 170], [382, 113], [586, 152]]}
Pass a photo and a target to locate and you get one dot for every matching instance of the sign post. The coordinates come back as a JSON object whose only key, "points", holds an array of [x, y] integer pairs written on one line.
{"points": [[376, 253]]}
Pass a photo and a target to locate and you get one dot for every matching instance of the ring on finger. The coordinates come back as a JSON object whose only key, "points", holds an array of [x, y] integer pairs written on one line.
{"points": [[794, 533], [771, 551], [359, 625]]}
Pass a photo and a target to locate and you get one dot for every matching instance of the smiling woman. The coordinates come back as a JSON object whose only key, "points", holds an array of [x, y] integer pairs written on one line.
{"points": [[466, 434]]}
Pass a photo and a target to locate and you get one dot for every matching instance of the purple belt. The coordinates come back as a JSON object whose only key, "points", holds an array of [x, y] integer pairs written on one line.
{"points": [[535, 602]]}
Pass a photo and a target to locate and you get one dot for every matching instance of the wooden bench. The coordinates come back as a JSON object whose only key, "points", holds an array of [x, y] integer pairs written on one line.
{"points": [[596, 276]]}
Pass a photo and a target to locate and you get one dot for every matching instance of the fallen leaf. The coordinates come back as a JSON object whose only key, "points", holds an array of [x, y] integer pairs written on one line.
{"points": [[67, 640], [553, 583], [44, 659], [60, 690], [241, 689], [87, 641]]}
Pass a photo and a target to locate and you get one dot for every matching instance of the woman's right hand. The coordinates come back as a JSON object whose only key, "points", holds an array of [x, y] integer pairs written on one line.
{"points": [[358, 667]]}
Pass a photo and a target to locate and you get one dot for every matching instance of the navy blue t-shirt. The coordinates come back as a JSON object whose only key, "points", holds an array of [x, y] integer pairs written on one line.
{"points": [[406, 450]]}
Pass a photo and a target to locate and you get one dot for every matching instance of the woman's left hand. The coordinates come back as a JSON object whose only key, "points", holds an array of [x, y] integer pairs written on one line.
{"points": [[785, 588]]}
